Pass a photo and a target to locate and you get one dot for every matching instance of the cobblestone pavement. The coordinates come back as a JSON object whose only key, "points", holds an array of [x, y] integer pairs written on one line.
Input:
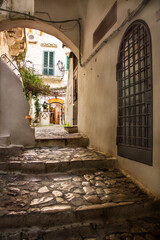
{"points": [[25, 194], [63, 192], [55, 154], [55, 131]]}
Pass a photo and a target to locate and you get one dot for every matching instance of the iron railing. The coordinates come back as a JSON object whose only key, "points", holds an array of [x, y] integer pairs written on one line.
{"points": [[11, 64], [39, 69]]}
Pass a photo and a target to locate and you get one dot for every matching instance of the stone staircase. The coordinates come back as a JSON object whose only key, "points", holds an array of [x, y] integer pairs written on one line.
{"points": [[71, 193]]}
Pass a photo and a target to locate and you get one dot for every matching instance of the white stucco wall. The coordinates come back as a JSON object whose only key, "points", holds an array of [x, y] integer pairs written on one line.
{"points": [[36, 49], [13, 109], [98, 89]]}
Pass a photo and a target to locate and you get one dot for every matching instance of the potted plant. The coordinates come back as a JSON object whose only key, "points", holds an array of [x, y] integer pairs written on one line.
{"points": [[35, 123]]}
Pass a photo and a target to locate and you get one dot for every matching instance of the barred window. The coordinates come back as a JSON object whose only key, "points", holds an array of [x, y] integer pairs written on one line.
{"points": [[134, 79]]}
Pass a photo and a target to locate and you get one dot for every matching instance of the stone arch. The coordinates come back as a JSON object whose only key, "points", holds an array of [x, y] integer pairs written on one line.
{"points": [[42, 26]]}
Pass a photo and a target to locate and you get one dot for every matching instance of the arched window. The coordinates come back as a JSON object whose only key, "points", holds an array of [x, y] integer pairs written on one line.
{"points": [[135, 100]]}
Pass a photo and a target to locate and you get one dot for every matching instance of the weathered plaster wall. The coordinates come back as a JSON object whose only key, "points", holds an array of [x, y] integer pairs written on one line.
{"points": [[13, 108], [63, 10], [98, 88], [150, 176], [69, 96]]}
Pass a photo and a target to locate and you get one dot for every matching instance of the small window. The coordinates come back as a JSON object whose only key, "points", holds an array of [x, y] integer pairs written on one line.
{"points": [[108, 22]]}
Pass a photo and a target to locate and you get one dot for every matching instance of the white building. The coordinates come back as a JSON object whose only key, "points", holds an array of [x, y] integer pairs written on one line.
{"points": [[49, 59]]}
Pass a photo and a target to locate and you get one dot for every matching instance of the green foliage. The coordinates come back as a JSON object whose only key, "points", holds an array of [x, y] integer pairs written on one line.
{"points": [[67, 125], [37, 107], [32, 84]]}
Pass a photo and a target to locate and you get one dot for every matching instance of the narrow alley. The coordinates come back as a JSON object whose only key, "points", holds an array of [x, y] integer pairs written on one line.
{"points": [[71, 193], [79, 120]]}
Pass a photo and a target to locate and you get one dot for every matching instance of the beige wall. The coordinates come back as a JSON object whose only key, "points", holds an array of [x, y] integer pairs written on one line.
{"points": [[98, 89], [69, 96], [150, 176], [13, 109]]}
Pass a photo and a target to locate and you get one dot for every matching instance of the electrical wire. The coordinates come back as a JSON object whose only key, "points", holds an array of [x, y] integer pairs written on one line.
{"points": [[113, 34], [44, 13], [50, 21]]}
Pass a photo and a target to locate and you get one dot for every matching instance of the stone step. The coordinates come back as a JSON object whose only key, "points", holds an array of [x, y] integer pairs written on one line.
{"points": [[58, 199], [64, 141], [137, 228], [4, 139], [62, 214], [10, 150], [48, 160]]}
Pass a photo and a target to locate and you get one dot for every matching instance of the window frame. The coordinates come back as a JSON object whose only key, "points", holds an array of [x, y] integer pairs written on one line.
{"points": [[48, 68], [126, 147]]}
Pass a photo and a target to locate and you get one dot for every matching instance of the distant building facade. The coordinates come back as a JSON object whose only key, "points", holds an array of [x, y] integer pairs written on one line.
{"points": [[49, 59]]}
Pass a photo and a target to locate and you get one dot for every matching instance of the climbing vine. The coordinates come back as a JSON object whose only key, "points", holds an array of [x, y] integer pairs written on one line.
{"points": [[33, 87]]}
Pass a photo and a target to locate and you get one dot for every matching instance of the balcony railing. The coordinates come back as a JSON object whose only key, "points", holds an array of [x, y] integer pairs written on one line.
{"points": [[39, 69]]}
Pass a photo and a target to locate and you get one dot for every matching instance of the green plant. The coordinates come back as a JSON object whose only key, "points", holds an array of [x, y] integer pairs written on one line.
{"points": [[33, 86], [37, 108], [67, 125]]}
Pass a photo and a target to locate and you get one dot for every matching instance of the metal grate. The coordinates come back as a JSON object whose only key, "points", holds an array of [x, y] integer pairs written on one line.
{"points": [[134, 76]]}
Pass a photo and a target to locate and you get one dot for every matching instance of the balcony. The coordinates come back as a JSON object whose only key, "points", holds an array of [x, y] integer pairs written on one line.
{"points": [[54, 71]]}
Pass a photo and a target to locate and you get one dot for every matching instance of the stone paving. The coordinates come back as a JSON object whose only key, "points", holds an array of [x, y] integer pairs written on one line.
{"points": [[86, 204], [55, 131], [63, 192], [56, 136], [44, 160]]}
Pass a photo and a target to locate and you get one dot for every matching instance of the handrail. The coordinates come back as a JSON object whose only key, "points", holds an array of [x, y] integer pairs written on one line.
{"points": [[4, 57]]}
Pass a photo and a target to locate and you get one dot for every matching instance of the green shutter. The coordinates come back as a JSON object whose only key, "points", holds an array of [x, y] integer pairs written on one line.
{"points": [[45, 59], [51, 59], [67, 63], [48, 63]]}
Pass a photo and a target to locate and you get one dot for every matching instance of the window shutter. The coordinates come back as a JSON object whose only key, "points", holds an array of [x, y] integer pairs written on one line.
{"points": [[48, 63], [67, 63], [45, 59], [51, 59]]}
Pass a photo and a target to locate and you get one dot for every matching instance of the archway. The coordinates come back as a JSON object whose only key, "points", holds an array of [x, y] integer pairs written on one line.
{"points": [[39, 25]]}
